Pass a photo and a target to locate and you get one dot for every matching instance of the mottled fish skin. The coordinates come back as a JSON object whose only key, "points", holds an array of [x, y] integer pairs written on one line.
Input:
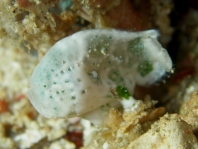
{"points": [[80, 72]]}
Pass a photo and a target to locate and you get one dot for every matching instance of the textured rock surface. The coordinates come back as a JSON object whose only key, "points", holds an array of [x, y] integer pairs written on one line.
{"points": [[169, 132]]}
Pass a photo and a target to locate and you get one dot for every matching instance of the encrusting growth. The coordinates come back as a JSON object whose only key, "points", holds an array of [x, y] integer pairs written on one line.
{"points": [[93, 69]]}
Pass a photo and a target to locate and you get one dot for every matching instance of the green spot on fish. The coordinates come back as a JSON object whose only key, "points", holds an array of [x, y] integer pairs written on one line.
{"points": [[145, 68], [136, 47], [123, 92]]}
